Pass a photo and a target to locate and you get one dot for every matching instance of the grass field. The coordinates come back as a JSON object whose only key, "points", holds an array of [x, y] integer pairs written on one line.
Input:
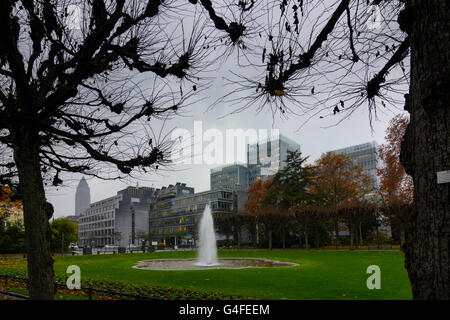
{"points": [[321, 274]]}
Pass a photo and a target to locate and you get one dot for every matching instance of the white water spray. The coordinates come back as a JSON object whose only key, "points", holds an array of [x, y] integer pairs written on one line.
{"points": [[207, 250]]}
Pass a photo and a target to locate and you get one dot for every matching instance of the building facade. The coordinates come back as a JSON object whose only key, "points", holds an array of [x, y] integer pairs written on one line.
{"points": [[179, 216], [264, 159], [233, 177], [82, 197], [365, 155], [123, 219]]}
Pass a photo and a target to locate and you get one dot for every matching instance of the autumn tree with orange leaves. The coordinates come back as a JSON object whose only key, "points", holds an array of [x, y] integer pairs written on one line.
{"points": [[8, 203], [11, 229], [396, 187], [257, 193], [254, 206], [265, 212], [338, 180]]}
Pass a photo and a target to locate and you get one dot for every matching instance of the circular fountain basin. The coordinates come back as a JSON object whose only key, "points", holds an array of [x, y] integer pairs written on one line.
{"points": [[223, 263]]}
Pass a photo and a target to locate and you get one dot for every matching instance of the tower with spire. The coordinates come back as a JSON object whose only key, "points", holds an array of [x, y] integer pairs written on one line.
{"points": [[82, 197]]}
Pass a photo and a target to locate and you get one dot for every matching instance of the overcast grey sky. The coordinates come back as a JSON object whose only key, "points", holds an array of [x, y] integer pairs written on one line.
{"points": [[315, 137]]}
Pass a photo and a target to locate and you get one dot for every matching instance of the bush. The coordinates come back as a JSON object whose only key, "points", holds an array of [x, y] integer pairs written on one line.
{"points": [[12, 238]]}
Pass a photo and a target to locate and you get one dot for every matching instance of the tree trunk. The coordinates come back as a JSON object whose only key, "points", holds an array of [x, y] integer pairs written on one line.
{"points": [[336, 232], [283, 239], [239, 238], [270, 239], [402, 237], [257, 234], [378, 237], [425, 149], [317, 240], [360, 235], [306, 239], [37, 213], [351, 238]]}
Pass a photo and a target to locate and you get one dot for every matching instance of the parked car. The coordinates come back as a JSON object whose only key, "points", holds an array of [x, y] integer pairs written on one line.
{"points": [[111, 246], [73, 246]]}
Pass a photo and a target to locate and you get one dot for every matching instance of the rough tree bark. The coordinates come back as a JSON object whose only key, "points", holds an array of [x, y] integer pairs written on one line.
{"points": [[37, 212], [306, 238], [239, 230], [270, 239], [426, 147]]}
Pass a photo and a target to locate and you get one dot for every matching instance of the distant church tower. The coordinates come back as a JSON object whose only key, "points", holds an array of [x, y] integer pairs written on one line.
{"points": [[82, 197]]}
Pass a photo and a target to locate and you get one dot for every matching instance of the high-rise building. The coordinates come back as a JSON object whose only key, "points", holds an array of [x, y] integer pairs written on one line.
{"points": [[82, 197], [266, 158], [366, 155]]}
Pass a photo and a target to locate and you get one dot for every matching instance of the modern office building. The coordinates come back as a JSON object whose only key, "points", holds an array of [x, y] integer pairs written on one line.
{"points": [[82, 197], [264, 159], [233, 177], [180, 215], [366, 155], [123, 219], [116, 220]]}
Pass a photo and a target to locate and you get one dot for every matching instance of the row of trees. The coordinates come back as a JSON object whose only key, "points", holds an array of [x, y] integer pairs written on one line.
{"points": [[12, 235], [319, 200], [309, 202]]}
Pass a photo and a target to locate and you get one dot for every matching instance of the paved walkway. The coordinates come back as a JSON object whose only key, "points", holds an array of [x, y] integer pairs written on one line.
{"points": [[9, 297]]}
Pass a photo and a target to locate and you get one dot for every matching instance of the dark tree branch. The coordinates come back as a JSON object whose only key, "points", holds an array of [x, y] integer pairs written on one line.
{"points": [[373, 86], [235, 30], [124, 166], [355, 57], [8, 40], [305, 60]]}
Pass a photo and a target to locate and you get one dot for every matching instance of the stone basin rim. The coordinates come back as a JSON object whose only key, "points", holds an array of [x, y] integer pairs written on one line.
{"points": [[271, 264]]}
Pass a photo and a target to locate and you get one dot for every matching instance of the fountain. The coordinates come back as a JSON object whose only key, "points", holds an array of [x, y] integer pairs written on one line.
{"points": [[207, 254], [207, 250]]}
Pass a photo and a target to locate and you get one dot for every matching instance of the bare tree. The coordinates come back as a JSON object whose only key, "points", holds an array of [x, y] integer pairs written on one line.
{"points": [[329, 58], [78, 93]]}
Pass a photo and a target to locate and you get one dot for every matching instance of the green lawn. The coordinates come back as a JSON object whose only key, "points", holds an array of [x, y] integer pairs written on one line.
{"points": [[322, 274]]}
